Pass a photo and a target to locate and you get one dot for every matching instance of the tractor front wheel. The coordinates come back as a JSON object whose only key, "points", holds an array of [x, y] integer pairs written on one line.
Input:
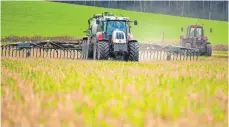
{"points": [[102, 50], [133, 51], [209, 49]]}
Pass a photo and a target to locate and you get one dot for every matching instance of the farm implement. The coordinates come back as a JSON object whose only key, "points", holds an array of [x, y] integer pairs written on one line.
{"points": [[51, 49], [107, 37], [73, 50]]}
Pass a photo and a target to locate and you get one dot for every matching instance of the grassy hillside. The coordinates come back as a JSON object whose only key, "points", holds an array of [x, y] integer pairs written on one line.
{"points": [[59, 19]]}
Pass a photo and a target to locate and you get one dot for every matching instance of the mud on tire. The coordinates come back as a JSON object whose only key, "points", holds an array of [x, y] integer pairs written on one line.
{"points": [[133, 51], [102, 50]]}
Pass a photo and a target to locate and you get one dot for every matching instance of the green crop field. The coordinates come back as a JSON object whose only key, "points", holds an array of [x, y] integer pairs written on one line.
{"points": [[85, 93], [54, 92], [59, 19]]}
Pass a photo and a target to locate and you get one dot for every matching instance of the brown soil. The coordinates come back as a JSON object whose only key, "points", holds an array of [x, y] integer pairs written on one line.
{"points": [[220, 47]]}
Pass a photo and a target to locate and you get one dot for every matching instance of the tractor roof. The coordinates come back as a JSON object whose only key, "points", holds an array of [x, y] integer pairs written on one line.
{"points": [[115, 18], [196, 26], [109, 16]]}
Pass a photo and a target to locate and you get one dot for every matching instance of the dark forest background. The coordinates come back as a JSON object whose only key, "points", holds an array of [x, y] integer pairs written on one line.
{"points": [[212, 10]]}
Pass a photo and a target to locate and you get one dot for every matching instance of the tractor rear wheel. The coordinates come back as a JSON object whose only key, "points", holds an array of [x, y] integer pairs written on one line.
{"points": [[209, 49], [90, 51], [133, 51], [102, 50]]}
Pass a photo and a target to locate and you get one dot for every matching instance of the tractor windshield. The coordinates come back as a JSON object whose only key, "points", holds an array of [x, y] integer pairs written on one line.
{"points": [[196, 32], [115, 24]]}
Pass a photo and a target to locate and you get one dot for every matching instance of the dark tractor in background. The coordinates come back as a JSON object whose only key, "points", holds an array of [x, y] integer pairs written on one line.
{"points": [[195, 38]]}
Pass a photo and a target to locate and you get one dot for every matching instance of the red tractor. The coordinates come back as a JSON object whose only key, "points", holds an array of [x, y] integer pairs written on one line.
{"points": [[194, 38]]}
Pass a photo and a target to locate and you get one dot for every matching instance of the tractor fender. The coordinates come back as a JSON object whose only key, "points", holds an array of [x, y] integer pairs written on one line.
{"points": [[103, 40], [132, 41], [85, 38]]}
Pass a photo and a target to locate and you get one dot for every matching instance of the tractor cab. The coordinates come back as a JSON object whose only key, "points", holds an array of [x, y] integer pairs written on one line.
{"points": [[112, 25], [108, 24], [195, 31]]}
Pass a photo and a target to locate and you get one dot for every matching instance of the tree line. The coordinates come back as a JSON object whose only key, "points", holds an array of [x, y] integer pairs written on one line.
{"points": [[212, 10]]}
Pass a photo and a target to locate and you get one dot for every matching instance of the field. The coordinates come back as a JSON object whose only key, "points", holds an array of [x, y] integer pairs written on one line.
{"points": [[54, 92], [85, 93], [49, 19]]}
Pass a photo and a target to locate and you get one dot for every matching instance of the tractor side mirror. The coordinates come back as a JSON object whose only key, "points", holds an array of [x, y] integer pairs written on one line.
{"points": [[182, 29], [97, 21], [210, 30], [86, 31], [135, 22]]}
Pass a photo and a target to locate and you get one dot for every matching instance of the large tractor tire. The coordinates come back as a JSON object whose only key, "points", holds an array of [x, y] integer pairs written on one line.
{"points": [[208, 49], [102, 50], [90, 51], [133, 51]]}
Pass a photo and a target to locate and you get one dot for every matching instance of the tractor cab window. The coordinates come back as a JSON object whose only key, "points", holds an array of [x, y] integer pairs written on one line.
{"points": [[196, 32], [112, 25]]}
